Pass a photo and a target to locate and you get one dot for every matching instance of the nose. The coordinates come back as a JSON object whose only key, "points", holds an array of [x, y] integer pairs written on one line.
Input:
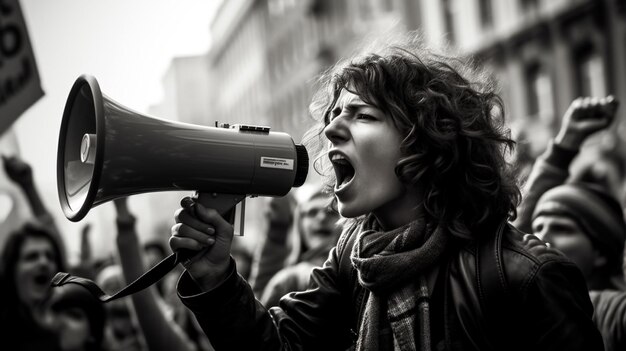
{"points": [[322, 215], [336, 131], [44, 260]]}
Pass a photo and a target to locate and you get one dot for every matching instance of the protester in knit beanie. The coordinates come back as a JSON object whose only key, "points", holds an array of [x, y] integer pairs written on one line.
{"points": [[598, 214]]}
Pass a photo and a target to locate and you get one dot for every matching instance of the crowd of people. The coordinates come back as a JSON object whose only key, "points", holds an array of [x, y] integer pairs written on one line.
{"points": [[423, 236]]}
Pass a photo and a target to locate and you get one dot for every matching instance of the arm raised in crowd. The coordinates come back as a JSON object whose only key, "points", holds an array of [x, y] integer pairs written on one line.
{"points": [[270, 256], [21, 173], [584, 117], [160, 332]]}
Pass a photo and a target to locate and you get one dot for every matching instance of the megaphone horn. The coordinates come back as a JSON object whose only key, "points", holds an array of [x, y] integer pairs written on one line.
{"points": [[107, 150]]}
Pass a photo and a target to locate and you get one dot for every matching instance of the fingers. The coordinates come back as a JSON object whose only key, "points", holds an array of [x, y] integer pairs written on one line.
{"points": [[204, 230], [198, 226], [589, 108], [183, 215], [186, 237], [611, 103], [213, 218], [183, 230], [189, 232], [177, 243]]}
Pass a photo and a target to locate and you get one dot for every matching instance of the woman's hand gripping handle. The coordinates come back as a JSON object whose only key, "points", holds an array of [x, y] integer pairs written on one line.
{"points": [[204, 237]]}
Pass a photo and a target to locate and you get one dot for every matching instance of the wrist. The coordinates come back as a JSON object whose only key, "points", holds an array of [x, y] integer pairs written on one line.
{"points": [[215, 278], [28, 188], [558, 156], [125, 222], [26, 182], [568, 142]]}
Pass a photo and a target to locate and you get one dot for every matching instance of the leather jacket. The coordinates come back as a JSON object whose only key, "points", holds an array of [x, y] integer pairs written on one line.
{"points": [[548, 306]]}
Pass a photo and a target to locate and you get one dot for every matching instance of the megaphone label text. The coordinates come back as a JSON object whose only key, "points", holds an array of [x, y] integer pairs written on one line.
{"points": [[280, 163]]}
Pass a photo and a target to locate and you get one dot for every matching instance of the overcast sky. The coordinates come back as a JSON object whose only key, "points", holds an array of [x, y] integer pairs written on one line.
{"points": [[126, 44]]}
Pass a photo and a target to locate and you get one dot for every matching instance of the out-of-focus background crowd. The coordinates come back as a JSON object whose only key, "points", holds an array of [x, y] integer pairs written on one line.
{"points": [[257, 64]]}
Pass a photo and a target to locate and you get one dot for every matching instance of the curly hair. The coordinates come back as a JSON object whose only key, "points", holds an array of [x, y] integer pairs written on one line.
{"points": [[452, 119]]}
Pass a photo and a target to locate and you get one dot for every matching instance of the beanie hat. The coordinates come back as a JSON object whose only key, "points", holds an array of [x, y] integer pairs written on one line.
{"points": [[76, 296], [598, 213]]}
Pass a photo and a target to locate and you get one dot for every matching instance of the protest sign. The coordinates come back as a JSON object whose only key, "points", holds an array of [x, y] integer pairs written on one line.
{"points": [[20, 86]]}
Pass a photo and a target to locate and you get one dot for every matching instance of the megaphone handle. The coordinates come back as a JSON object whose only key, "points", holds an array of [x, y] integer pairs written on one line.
{"points": [[223, 203]]}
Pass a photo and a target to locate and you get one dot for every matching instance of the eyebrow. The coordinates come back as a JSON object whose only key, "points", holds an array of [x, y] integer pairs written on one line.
{"points": [[352, 106]]}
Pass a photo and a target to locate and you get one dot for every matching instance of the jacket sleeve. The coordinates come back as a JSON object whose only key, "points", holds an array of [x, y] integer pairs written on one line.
{"points": [[550, 170], [559, 309], [315, 319]]}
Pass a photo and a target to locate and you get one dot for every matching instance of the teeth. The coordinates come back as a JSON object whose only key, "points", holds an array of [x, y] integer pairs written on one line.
{"points": [[337, 157]]}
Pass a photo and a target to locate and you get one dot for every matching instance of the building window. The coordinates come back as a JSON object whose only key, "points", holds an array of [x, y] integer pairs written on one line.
{"points": [[486, 13], [591, 79], [448, 18], [539, 93]]}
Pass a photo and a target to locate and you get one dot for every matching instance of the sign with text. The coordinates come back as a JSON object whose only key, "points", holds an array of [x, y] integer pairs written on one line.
{"points": [[19, 80]]}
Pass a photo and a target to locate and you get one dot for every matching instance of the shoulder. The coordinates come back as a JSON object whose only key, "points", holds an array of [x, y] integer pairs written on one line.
{"points": [[527, 247], [526, 259]]}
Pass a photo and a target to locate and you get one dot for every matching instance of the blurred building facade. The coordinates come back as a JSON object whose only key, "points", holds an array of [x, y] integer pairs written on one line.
{"points": [[185, 91], [544, 53]]}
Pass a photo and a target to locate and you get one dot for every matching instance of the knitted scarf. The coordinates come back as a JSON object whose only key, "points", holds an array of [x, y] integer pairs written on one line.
{"points": [[392, 266]]}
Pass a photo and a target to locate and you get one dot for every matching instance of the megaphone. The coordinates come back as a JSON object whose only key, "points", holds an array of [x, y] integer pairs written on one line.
{"points": [[107, 150]]}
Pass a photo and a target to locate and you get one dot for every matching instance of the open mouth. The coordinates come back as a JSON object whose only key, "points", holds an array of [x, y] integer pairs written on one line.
{"points": [[42, 279], [344, 172]]}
